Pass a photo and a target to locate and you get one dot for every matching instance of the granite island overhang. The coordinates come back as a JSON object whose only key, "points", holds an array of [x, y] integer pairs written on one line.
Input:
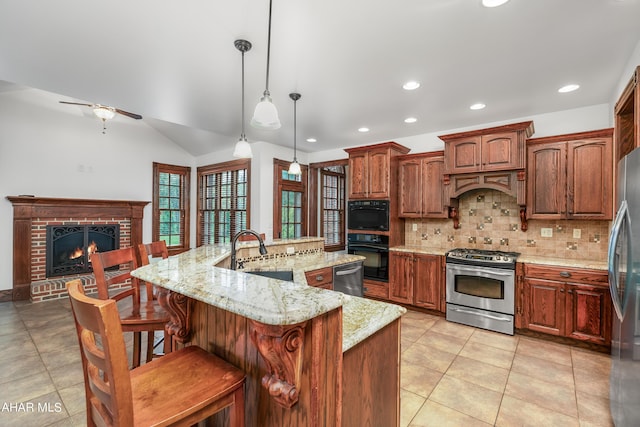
{"points": [[319, 351]]}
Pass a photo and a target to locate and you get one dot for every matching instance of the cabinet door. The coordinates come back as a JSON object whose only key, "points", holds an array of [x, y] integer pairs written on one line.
{"points": [[546, 181], [401, 277], [590, 179], [378, 165], [500, 151], [358, 175], [463, 155], [410, 188], [545, 304], [427, 281], [433, 203], [588, 313]]}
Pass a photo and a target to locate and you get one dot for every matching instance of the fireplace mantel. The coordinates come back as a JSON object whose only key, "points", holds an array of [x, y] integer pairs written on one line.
{"points": [[28, 208]]}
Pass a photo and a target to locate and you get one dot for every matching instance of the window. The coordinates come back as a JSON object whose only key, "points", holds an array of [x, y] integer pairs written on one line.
{"points": [[223, 201], [290, 214], [171, 206], [332, 181]]}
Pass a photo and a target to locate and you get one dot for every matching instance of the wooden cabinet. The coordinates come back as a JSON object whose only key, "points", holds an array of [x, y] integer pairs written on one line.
{"points": [[321, 278], [376, 289], [627, 118], [568, 302], [494, 149], [420, 186], [416, 279], [372, 169], [570, 176]]}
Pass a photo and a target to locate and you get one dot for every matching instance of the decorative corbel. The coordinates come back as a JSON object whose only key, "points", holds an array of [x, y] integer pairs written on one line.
{"points": [[179, 308], [454, 214], [524, 225], [281, 347]]}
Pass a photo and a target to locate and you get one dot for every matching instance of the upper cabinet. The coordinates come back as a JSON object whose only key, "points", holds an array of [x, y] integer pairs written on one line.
{"points": [[627, 118], [485, 150], [420, 186], [372, 169], [570, 176]]}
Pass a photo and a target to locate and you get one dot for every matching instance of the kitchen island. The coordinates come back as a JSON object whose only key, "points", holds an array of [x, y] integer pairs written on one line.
{"points": [[311, 356]]}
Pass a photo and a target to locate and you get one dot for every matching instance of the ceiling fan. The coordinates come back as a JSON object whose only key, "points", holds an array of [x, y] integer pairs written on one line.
{"points": [[104, 112]]}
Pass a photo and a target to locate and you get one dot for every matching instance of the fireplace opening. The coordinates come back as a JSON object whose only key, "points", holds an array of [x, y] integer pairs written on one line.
{"points": [[69, 247]]}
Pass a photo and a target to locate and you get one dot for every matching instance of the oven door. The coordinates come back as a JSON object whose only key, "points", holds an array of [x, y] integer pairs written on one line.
{"points": [[376, 262], [483, 288]]}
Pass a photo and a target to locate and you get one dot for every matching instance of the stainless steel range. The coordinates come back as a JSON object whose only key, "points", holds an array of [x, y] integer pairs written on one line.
{"points": [[481, 288]]}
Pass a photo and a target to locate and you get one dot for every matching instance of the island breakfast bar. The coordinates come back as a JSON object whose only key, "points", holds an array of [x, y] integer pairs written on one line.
{"points": [[313, 357]]}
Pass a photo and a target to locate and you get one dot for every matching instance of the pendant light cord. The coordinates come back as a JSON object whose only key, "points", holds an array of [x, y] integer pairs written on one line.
{"points": [[295, 127], [243, 136], [268, 48]]}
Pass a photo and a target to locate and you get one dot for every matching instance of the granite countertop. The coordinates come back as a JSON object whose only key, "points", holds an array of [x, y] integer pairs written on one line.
{"points": [[270, 301], [523, 258]]}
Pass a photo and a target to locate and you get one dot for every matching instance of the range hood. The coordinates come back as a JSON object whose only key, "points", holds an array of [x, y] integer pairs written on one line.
{"points": [[492, 158]]}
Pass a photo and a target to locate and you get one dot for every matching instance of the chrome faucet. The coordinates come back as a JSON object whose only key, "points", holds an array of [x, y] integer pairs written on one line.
{"points": [[263, 249]]}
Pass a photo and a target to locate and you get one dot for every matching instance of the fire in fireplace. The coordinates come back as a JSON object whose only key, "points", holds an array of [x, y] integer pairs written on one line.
{"points": [[69, 247]]}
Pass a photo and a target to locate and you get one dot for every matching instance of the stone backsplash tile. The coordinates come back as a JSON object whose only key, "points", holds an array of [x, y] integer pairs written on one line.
{"points": [[490, 219]]}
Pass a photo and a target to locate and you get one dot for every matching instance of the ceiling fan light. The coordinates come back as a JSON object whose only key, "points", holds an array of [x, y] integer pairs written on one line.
{"points": [[104, 113], [265, 115], [243, 149], [294, 168]]}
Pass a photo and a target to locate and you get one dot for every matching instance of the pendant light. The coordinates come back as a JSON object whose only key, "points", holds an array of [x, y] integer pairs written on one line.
{"points": [[265, 115], [242, 149], [294, 167]]}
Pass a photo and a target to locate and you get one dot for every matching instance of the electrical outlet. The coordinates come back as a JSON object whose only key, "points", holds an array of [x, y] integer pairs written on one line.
{"points": [[577, 233], [414, 227], [291, 250], [546, 232]]}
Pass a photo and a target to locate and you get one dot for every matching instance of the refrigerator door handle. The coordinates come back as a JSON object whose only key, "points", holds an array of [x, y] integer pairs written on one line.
{"points": [[621, 217]]}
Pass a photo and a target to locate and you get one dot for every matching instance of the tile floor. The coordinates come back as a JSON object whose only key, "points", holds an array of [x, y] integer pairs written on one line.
{"points": [[451, 375]]}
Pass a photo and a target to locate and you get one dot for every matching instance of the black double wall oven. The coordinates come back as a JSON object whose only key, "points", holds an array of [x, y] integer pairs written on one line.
{"points": [[367, 217]]}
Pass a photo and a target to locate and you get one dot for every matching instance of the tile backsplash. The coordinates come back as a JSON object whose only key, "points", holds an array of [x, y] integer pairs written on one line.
{"points": [[490, 219]]}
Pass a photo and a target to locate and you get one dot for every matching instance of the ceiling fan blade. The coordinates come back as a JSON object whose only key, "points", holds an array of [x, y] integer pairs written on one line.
{"points": [[128, 114], [77, 103]]}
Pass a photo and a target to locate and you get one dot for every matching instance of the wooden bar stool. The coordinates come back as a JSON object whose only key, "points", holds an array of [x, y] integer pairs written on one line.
{"points": [[136, 315], [156, 249], [181, 388]]}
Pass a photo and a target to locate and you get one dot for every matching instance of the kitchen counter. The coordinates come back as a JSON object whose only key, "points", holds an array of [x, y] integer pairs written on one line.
{"points": [[523, 258], [308, 353], [269, 301]]}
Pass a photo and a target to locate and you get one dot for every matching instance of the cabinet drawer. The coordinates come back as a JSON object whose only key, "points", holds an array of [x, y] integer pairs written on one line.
{"points": [[320, 277], [568, 274], [376, 289]]}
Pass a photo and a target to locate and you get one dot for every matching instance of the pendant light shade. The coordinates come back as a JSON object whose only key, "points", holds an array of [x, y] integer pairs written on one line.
{"points": [[294, 167], [266, 115], [242, 149]]}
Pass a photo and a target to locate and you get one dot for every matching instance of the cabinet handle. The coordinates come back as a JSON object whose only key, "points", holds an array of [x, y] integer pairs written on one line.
{"points": [[565, 274], [569, 291], [562, 290], [319, 278]]}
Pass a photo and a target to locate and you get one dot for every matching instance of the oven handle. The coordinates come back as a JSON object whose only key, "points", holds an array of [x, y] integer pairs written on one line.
{"points": [[459, 268], [475, 313], [368, 248]]}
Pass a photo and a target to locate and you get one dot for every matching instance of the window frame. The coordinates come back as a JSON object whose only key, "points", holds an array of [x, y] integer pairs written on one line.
{"points": [[229, 166], [185, 202], [281, 184], [341, 245]]}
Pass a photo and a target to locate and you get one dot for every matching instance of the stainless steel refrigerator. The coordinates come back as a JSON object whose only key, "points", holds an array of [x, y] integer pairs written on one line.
{"points": [[624, 279]]}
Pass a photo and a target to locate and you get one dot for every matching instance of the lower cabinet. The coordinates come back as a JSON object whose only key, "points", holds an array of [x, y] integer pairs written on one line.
{"points": [[568, 302], [416, 279], [321, 278]]}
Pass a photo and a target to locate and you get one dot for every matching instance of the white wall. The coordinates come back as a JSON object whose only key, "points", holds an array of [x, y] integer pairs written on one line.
{"points": [[51, 150]]}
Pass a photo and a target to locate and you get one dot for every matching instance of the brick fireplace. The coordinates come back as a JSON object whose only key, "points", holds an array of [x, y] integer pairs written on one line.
{"points": [[31, 218]]}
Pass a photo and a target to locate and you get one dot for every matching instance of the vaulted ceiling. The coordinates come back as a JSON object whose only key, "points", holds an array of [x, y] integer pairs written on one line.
{"points": [[174, 62]]}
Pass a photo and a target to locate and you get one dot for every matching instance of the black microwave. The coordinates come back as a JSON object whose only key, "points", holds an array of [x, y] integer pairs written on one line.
{"points": [[368, 215]]}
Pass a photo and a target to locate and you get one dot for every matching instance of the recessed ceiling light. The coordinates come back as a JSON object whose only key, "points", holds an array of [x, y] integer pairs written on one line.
{"points": [[312, 140], [363, 129], [411, 85], [477, 106], [568, 88], [493, 3], [410, 120]]}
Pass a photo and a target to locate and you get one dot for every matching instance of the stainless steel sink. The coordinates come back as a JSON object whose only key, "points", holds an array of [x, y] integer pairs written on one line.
{"points": [[274, 274]]}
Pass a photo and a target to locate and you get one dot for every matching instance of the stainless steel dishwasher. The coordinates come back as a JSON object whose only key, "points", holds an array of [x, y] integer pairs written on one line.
{"points": [[348, 278]]}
